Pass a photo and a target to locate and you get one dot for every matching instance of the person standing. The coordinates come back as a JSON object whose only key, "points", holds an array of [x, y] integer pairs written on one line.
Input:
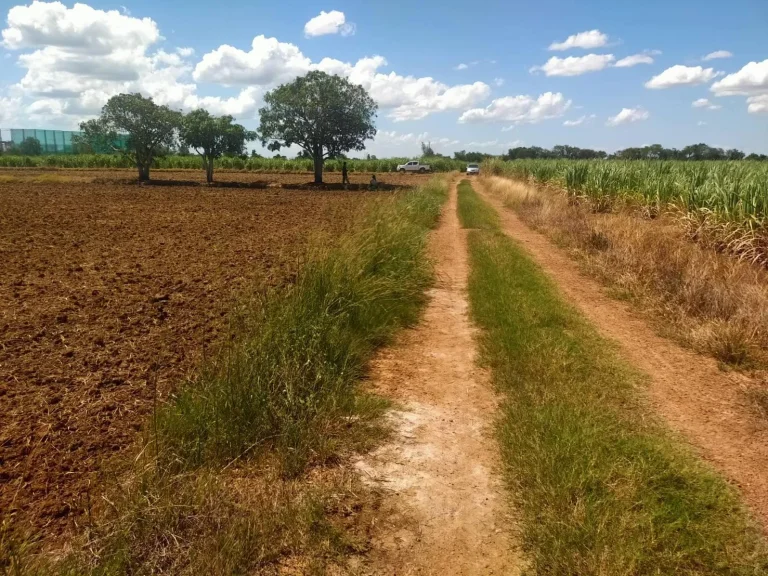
{"points": [[344, 176], [374, 184]]}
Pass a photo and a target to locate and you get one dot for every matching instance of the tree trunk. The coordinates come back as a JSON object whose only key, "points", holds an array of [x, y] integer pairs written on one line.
{"points": [[209, 171], [319, 169], [144, 173]]}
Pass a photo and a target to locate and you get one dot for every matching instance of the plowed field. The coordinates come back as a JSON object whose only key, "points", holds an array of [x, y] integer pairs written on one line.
{"points": [[110, 295]]}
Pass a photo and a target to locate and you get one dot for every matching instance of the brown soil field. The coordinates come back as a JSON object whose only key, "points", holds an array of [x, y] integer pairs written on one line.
{"points": [[110, 295], [222, 178]]}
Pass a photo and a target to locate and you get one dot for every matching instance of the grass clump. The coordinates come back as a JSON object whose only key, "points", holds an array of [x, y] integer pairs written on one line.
{"points": [[288, 384], [601, 487]]}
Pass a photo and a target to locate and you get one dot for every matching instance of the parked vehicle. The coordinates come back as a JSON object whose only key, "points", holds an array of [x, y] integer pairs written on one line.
{"points": [[414, 166], [473, 169]]}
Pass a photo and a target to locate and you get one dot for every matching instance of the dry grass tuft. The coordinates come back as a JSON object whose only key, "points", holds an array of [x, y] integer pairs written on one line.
{"points": [[712, 303]]}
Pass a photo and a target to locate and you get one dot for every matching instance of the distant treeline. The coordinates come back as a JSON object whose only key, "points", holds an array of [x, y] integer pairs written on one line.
{"points": [[652, 152]]}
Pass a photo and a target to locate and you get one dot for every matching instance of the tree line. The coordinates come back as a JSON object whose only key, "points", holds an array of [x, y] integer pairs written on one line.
{"points": [[326, 116], [652, 152]]}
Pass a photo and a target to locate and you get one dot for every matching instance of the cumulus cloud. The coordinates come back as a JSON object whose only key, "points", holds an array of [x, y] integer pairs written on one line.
{"points": [[80, 28], [701, 123], [271, 62], [682, 76], [587, 40], [575, 65], [578, 121], [704, 103], [333, 22], [718, 54], [461, 66], [498, 82], [634, 60], [628, 115], [519, 109], [758, 104], [403, 143], [751, 79], [77, 58]]}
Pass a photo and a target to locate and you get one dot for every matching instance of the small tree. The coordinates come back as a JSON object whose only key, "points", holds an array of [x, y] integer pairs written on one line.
{"points": [[426, 150], [151, 129], [30, 147], [212, 137], [325, 115]]}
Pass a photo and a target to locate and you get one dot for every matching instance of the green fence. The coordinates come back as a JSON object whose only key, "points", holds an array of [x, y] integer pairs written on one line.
{"points": [[55, 141]]}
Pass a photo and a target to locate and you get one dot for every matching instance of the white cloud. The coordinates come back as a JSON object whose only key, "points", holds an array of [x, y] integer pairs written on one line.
{"points": [[77, 58], [10, 109], [519, 109], [125, 10], [628, 115], [486, 144], [270, 62], [333, 22], [704, 103], [701, 123], [81, 57], [751, 79], [498, 82], [682, 76], [586, 40], [405, 144], [758, 104], [578, 121], [718, 54], [79, 29], [461, 66], [575, 65], [634, 60]]}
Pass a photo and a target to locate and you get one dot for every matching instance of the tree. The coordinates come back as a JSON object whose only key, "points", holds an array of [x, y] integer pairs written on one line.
{"points": [[151, 129], [426, 150], [30, 147], [325, 115], [212, 137]]}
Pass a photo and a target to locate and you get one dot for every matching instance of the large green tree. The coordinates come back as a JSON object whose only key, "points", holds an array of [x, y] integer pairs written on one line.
{"points": [[151, 129], [30, 147], [212, 137], [325, 115]]}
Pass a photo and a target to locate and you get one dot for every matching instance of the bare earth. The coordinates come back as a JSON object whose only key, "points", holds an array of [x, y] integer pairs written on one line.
{"points": [[446, 512], [695, 397]]}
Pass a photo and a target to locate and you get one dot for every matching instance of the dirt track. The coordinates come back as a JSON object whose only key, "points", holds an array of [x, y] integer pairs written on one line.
{"points": [[695, 397], [447, 513]]}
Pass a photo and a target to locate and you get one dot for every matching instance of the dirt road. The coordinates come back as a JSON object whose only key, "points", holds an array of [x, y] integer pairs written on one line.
{"points": [[695, 397], [446, 510]]}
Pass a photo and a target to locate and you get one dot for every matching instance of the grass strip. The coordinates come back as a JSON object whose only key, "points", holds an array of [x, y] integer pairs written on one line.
{"points": [[600, 485], [222, 484], [473, 212]]}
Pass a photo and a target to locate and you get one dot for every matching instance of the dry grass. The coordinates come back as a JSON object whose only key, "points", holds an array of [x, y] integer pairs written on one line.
{"points": [[708, 301]]}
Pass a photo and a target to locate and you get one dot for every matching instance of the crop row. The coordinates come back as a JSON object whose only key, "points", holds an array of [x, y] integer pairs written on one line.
{"points": [[734, 191], [194, 163]]}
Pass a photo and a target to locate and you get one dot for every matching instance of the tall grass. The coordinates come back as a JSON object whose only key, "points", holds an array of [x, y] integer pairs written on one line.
{"points": [[600, 486], [221, 484], [722, 203]]}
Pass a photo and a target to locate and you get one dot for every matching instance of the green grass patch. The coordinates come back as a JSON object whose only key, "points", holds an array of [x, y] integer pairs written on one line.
{"points": [[473, 212], [600, 485], [222, 484]]}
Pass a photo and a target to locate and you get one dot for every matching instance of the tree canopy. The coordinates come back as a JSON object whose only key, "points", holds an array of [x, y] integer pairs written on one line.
{"points": [[30, 147], [212, 137], [323, 114], [151, 129]]}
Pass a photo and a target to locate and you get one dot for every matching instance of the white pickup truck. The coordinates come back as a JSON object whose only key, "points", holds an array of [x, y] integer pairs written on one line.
{"points": [[414, 166]]}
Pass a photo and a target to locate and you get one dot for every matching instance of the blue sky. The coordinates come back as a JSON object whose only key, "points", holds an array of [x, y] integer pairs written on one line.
{"points": [[60, 62]]}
